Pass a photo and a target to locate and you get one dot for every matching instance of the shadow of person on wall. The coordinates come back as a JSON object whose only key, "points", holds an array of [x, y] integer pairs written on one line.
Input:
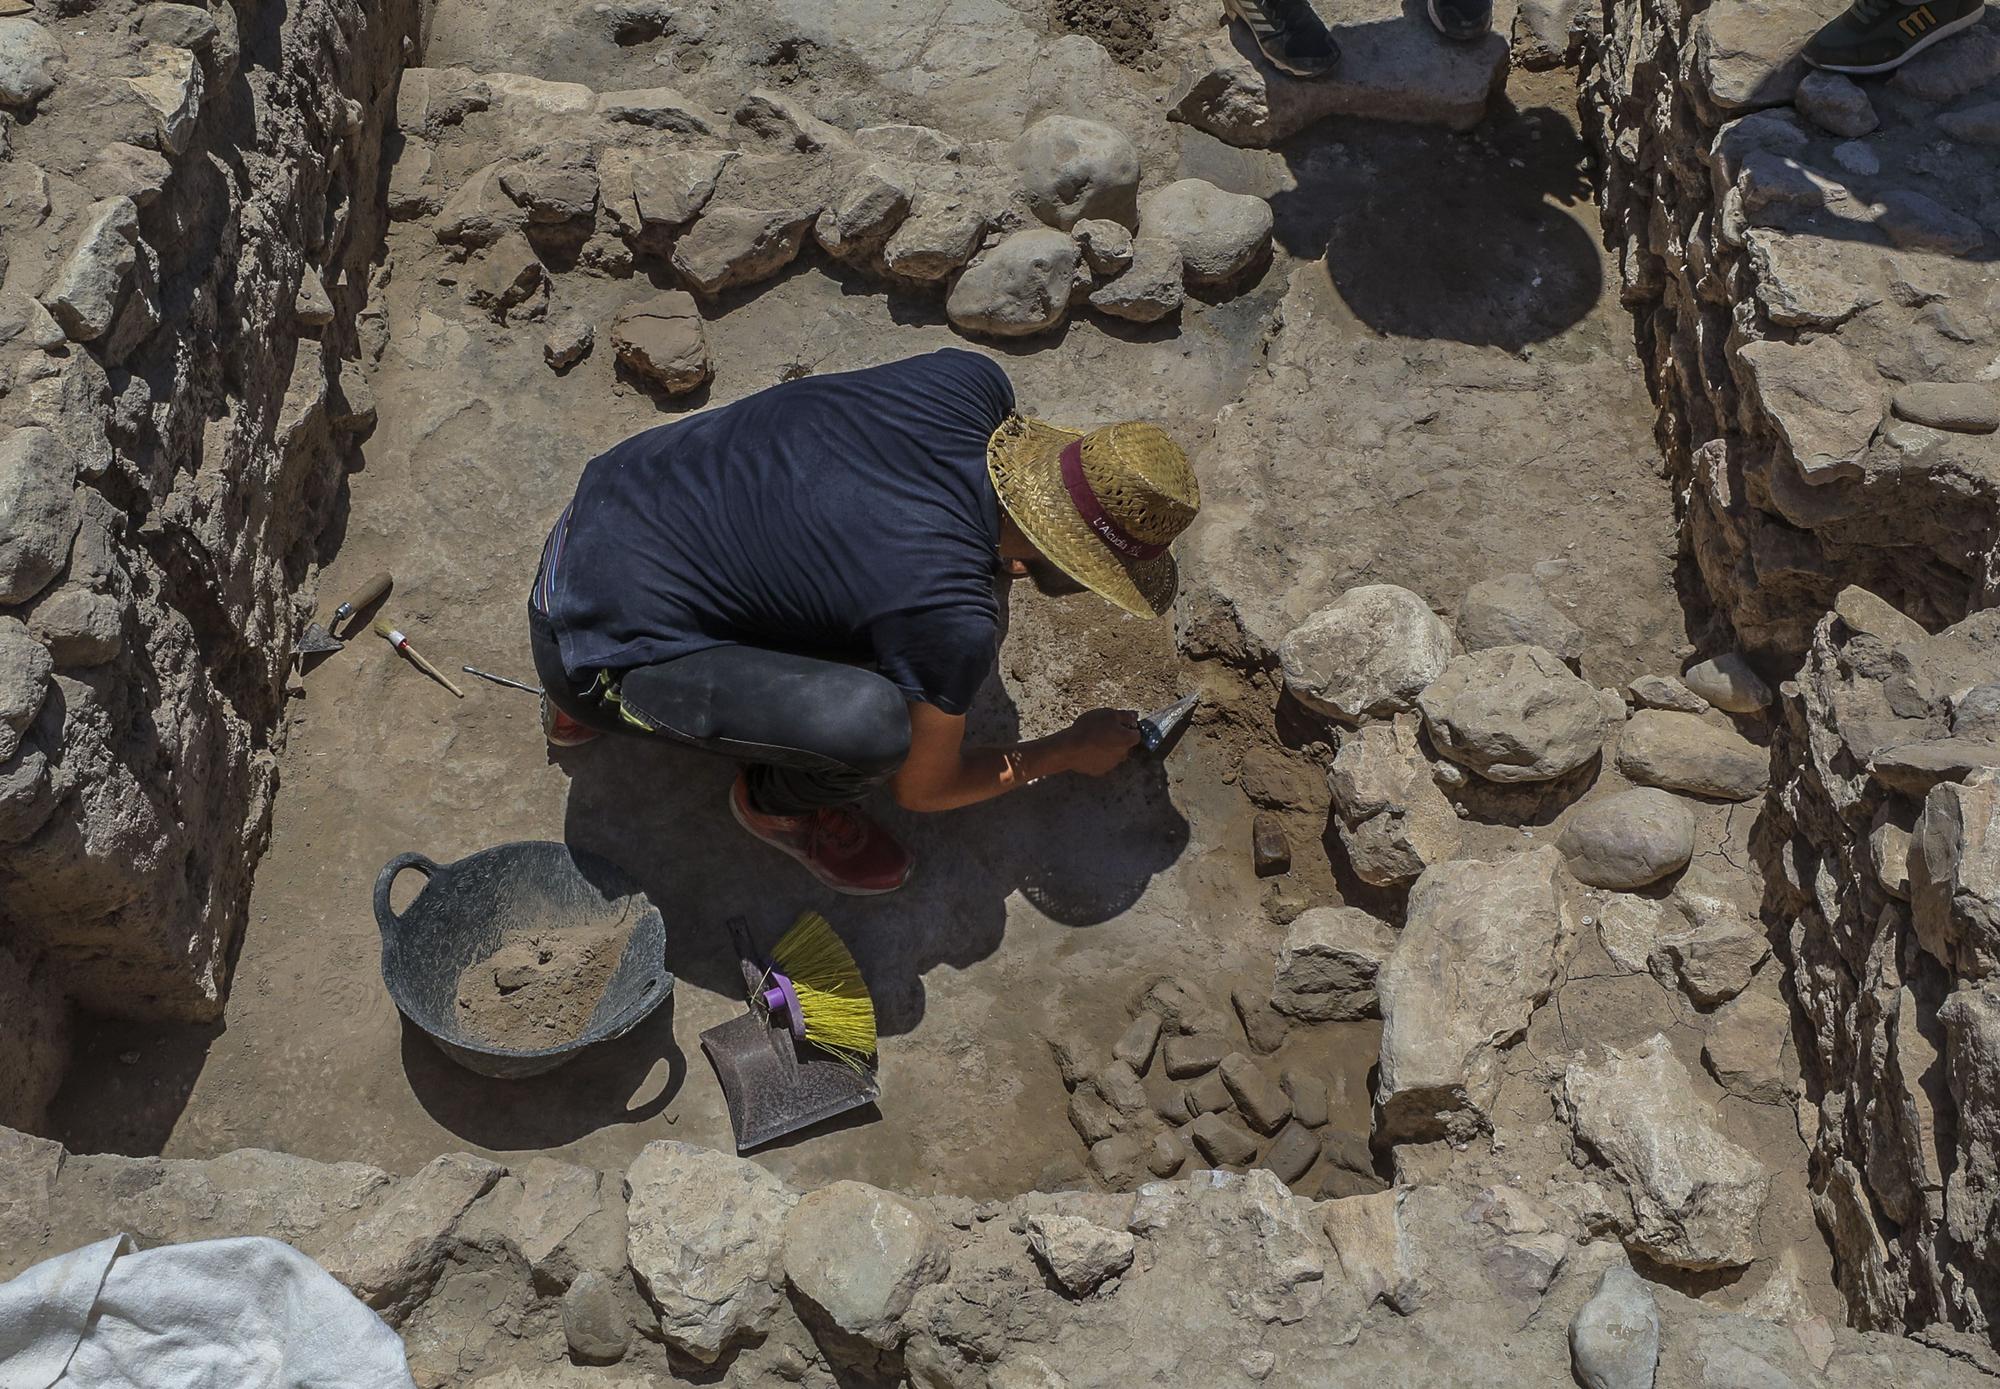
{"points": [[1468, 238]]}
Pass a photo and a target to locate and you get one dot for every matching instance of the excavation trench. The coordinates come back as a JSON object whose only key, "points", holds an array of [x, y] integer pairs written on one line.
{"points": [[1431, 382]]}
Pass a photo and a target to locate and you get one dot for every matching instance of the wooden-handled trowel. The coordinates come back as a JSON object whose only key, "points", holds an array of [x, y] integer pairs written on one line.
{"points": [[318, 639]]}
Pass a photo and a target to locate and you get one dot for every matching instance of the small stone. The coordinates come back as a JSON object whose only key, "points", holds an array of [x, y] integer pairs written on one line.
{"points": [[1665, 692], [1292, 1153], [311, 305], [1681, 752], [1512, 610], [1073, 169], [26, 50], [593, 1322], [1020, 287], [558, 185], [1270, 847], [1857, 157], [1614, 1343], [1975, 125], [1328, 964], [569, 341], [1745, 1046], [1628, 839], [1078, 1253], [39, 514], [1182, 1007], [1072, 1060], [1262, 1026], [1167, 1155], [1091, 1115], [1220, 235], [1310, 1105], [1107, 246], [1208, 1096], [1141, 1037], [1713, 961], [1190, 1056], [1119, 1085], [863, 215], [1961, 407], [1728, 683], [88, 287], [1258, 1098], [1367, 654], [1223, 1141], [1284, 901], [1119, 1161], [1150, 289], [182, 26], [25, 671], [731, 246], [1889, 857], [938, 236], [80, 627], [171, 88], [505, 275], [1836, 105], [662, 339], [668, 190]]}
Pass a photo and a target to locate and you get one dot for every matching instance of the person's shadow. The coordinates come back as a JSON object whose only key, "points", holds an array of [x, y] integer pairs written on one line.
{"points": [[1465, 238]]}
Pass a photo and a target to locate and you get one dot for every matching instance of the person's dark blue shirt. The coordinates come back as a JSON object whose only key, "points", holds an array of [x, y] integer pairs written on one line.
{"points": [[847, 515]]}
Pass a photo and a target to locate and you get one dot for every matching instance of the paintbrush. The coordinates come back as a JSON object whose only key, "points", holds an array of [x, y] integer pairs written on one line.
{"points": [[402, 644]]}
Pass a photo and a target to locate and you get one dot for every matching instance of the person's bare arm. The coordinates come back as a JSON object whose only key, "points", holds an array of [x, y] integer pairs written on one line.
{"points": [[941, 773]]}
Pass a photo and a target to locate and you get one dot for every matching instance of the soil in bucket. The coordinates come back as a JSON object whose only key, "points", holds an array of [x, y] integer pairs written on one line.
{"points": [[539, 989]]}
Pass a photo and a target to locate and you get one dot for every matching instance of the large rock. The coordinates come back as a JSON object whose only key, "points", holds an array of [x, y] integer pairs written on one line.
{"points": [[1836, 105], [1512, 610], [1074, 168], [1629, 839], [1367, 654], [1728, 683], [39, 514], [668, 189], [1514, 713], [85, 295], [171, 87], [1078, 1253], [705, 1235], [392, 1259], [731, 246], [1392, 819], [1747, 1047], [863, 215], [859, 1254], [1389, 70], [1220, 235], [1684, 752], [1328, 965], [1614, 1343], [1824, 403], [1480, 949], [1021, 286], [663, 340], [26, 50], [1695, 1196], [1954, 867]]}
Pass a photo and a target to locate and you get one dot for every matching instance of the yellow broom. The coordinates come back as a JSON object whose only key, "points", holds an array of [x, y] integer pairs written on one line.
{"points": [[815, 983]]}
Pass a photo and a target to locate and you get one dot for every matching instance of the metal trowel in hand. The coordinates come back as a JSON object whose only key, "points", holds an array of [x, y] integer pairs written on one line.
{"points": [[1158, 728], [318, 639]]}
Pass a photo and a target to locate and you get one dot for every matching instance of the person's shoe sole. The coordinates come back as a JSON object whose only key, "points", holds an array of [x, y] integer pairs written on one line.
{"points": [[1229, 8], [1943, 31], [805, 860], [1438, 24]]}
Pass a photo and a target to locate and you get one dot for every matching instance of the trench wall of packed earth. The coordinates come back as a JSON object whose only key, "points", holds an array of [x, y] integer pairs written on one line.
{"points": [[1810, 262]]}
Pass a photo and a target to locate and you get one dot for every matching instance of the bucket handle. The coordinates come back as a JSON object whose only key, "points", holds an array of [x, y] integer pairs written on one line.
{"points": [[385, 918]]}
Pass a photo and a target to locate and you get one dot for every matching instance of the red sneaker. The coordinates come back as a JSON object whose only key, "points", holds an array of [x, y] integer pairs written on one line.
{"points": [[839, 845], [561, 730]]}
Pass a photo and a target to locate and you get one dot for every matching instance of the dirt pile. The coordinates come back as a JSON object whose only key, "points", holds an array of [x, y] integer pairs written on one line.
{"points": [[540, 988]]}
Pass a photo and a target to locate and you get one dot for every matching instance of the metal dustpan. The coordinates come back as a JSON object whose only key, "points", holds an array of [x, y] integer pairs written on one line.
{"points": [[773, 1084]]}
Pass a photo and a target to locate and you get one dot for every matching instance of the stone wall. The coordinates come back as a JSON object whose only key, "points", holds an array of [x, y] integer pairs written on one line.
{"points": [[694, 1266], [1812, 267], [188, 212]]}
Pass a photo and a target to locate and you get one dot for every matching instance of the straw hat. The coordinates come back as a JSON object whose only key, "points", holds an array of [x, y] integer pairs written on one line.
{"points": [[1102, 506]]}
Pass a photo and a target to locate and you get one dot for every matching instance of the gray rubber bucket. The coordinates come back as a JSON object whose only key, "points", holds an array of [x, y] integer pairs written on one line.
{"points": [[460, 915]]}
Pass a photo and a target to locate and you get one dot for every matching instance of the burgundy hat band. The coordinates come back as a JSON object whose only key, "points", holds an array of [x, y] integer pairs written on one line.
{"points": [[1108, 530]]}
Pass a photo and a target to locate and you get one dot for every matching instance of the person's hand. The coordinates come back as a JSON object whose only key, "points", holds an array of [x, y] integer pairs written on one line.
{"points": [[1101, 739]]}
